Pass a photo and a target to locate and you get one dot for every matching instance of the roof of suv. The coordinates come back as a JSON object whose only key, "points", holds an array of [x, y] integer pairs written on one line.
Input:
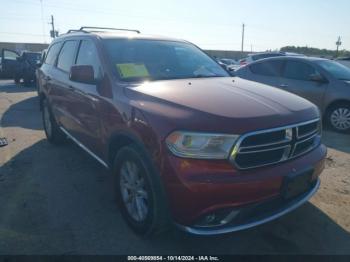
{"points": [[118, 35]]}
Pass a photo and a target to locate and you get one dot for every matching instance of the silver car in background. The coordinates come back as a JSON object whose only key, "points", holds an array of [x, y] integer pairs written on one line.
{"points": [[258, 56], [344, 61], [324, 82]]}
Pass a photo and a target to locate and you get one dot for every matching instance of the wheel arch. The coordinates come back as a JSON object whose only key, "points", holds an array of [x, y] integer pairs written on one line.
{"points": [[334, 103], [121, 139], [42, 97]]}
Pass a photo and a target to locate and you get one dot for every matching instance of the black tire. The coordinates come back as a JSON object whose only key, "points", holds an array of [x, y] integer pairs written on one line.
{"points": [[157, 219], [333, 112], [53, 133]]}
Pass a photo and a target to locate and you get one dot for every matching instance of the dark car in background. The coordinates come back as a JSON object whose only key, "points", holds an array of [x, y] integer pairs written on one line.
{"points": [[9, 63], [324, 82], [26, 66], [344, 61], [187, 144], [19, 66]]}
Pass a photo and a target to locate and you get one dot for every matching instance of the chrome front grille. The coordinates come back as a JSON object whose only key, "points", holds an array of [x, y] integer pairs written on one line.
{"points": [[267, 147]]}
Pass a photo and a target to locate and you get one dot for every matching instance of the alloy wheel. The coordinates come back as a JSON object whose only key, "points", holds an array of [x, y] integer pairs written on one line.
{"points": [[340, 119], [133, 191]]}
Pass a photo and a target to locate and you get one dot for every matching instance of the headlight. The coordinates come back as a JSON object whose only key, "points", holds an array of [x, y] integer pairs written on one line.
{"points": [[201, 145]]}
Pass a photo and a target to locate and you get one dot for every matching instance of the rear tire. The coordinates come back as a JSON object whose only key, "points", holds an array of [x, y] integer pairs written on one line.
{"points": [[53, 133], [140, 195], [338, 117]]}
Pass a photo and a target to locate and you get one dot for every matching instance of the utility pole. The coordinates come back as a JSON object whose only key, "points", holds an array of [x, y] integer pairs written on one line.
{"points": [[42, 20], [243, 27], [53, 32], [338, 43]]}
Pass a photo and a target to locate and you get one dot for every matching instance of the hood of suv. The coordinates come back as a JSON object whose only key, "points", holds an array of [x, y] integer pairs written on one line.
{"points": [[227, 105], [227, 97]]}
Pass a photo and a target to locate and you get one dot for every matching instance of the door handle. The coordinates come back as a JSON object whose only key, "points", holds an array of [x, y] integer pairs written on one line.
{"points": [[47, 78], [283, 85]]}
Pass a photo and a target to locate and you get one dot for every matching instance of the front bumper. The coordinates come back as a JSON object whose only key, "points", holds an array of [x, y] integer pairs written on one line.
{"points": [[196, 188], [254, 221]]}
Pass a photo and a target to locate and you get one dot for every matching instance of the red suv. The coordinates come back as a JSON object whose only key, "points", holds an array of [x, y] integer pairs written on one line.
{"points": [[187, 144]]}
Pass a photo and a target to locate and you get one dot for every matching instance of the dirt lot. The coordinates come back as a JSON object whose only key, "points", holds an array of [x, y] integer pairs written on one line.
{"points": [[57, 200]]}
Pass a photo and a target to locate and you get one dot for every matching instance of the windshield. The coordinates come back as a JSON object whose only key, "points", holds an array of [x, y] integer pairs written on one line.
{"points": [[139, 60], [337, 70]]}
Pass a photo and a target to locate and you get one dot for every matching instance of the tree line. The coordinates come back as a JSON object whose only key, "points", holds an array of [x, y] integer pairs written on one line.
{"points": [[311, 51]]}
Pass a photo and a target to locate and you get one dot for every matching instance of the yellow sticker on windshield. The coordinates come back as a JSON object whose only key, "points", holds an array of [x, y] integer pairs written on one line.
{"points": [[132, 70]]}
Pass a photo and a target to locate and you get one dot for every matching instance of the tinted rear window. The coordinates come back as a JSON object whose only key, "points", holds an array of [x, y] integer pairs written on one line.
{"points": [[268, 68]]}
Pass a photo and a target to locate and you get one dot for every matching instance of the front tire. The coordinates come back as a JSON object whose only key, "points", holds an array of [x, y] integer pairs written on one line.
{"points": [[53, 133], [139, 192], [338, 117]]}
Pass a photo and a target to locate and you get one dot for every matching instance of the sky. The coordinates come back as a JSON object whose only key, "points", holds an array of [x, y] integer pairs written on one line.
{"points": [[210, 24]]}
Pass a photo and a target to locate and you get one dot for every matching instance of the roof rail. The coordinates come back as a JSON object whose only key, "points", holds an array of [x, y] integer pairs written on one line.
{"points": [[83, 28], [76, 31]]}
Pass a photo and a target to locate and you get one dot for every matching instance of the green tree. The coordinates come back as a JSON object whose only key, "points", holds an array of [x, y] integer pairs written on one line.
{"points": [[311, 51]]}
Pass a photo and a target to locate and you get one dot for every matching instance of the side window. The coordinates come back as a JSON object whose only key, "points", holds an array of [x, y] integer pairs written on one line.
{"points": [[299, 70], [67, 55], [88, 56], [10, 55], [268, 68], [52, 53]]}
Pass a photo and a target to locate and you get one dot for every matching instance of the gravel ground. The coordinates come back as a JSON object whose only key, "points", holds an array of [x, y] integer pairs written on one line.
{"points": [[57, 200]]}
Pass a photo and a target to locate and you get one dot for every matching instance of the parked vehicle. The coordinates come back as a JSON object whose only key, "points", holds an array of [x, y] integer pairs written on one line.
{"points": [[187, 144], [324, 82], [231, 64], [228, 64], [344, 61], [19, 66], [26, 66], [258, 56], [228, 61], [8, 63]]}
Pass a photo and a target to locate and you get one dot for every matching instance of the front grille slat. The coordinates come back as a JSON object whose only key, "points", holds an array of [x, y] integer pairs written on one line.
{"points": [[308, 129], [272, 146]]}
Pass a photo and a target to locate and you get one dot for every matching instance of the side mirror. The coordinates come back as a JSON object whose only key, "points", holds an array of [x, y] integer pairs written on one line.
{"points": [[317, 78], [38, 64], [82, 74]]}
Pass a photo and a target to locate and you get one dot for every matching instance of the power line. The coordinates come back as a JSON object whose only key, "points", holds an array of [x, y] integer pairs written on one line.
{"points": [[129, 15], [12, 33]]}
